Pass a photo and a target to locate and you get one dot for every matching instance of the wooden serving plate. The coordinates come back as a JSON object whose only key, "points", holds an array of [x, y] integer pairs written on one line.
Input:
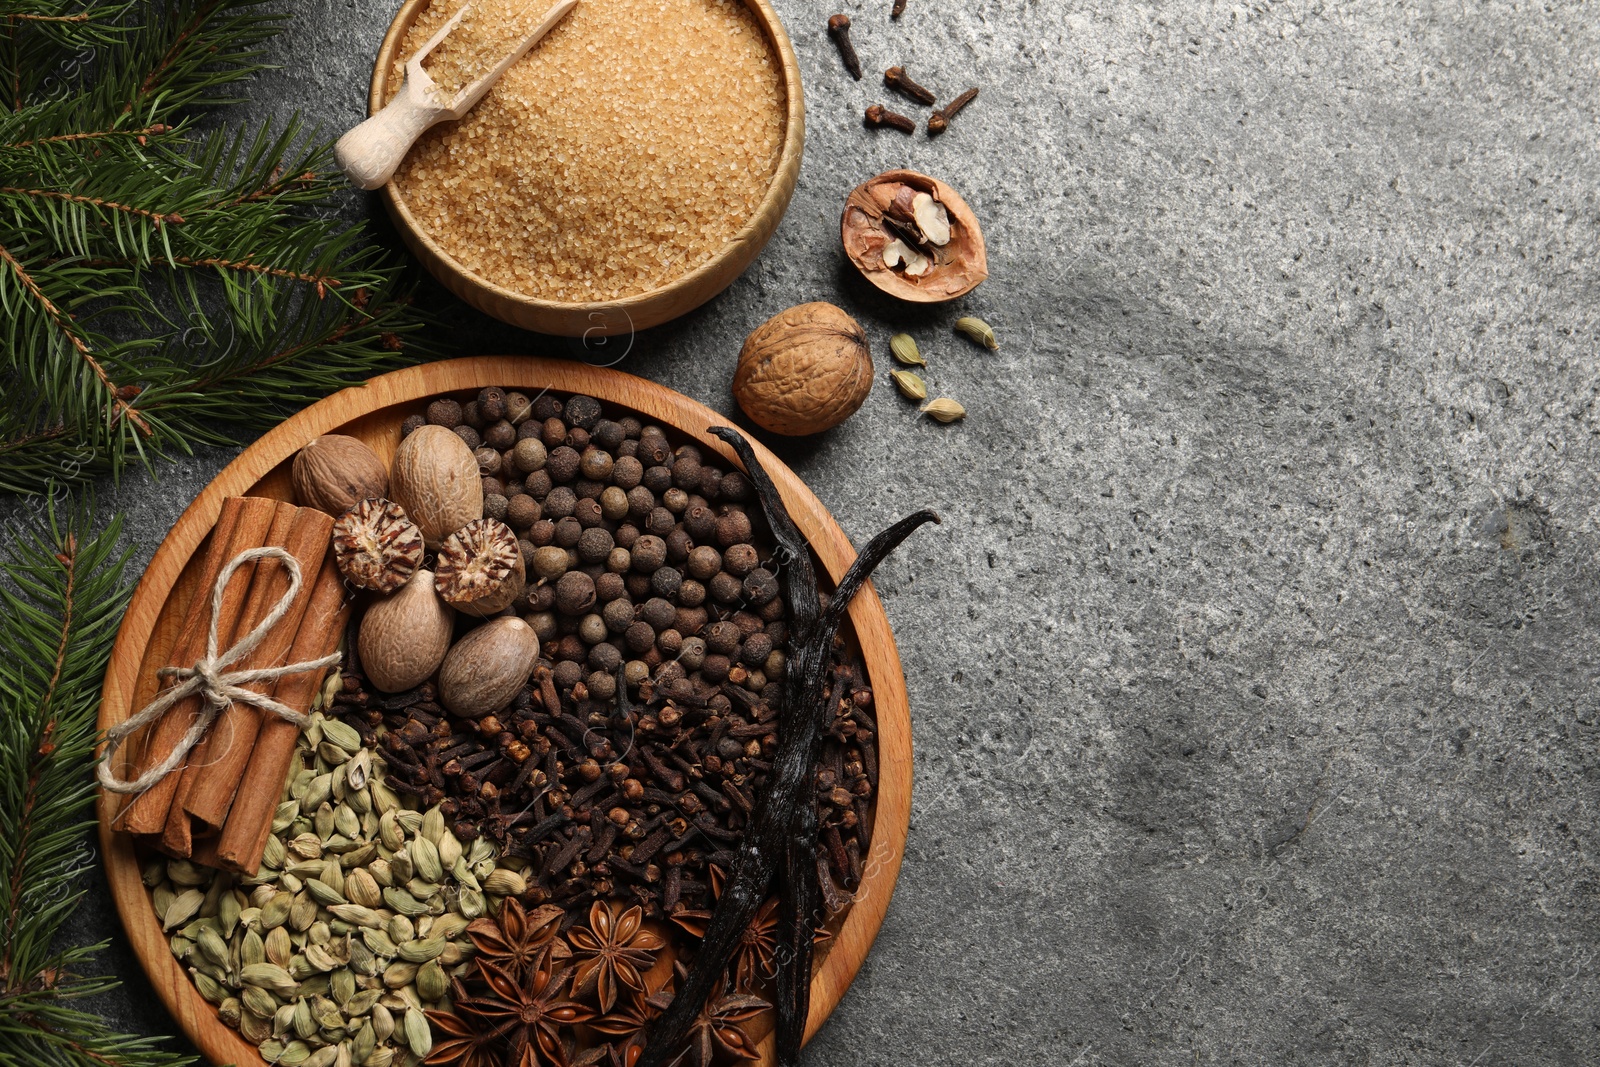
{"points": [[638, 311], [373, 413]]}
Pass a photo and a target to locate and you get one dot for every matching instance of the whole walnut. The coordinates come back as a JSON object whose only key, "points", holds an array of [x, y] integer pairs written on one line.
{"points": [[804, 370], [333, 473]]}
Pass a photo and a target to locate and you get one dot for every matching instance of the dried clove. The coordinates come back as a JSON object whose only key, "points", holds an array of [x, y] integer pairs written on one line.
{"points": [[878, 115], [897, 79], [898, 9], [839, 30], [939, 121]]}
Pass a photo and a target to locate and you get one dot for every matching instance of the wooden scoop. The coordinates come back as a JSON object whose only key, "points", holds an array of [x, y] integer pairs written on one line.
{"points": [[369, 153]]}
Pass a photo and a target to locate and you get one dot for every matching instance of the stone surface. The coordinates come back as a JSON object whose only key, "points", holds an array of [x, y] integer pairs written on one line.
{"points": [[1253, 666]]}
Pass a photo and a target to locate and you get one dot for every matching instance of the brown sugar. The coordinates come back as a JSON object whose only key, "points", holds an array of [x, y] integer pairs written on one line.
{"points": [[623, 152]]}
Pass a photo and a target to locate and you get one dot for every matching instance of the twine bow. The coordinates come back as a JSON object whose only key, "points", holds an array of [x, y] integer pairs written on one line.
{"points": [[217, 688]]}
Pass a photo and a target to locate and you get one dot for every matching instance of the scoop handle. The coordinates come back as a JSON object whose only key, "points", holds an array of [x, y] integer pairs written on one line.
{"points": [[369, 153]]}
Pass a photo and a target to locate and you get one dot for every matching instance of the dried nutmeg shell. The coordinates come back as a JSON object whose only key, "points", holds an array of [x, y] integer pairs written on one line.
{"points": [[914, 237], [435, 478], [376, 546], [487, 667], [404, 637], [334, 472], [804, 370], [480, 568]]}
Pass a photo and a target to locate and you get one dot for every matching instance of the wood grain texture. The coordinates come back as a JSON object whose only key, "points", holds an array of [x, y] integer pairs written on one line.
{"points": [[373, 413], [638, 312]]}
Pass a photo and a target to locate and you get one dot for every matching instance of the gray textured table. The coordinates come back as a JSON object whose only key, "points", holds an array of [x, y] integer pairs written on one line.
{"points": [[1253, 668]]}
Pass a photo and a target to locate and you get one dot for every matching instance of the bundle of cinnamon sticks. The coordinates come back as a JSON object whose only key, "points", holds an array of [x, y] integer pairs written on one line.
{"points": [[217, 808]]}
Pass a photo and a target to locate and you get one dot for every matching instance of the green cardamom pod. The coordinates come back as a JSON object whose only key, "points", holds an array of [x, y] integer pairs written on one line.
{"points": [[418, 1036], [275, 855], [425, 859], [978, 331], [320, 790], [283, 817], [422, 951], [259, 1002], [403, 902], [472, 904], [187, 874], [384, 799], [279, 948], [432, 982], [910, 385], [341, 734], [449, 926], [399, 974], [945, 410], [303, 913], [364, 1043], [276, 911], [326, 1056], [449, 849], [153, 873], [382, 1022], [360, 888], [283, 1020], [433, 826], [209, 987], [346, 821], [184, 906], [295, 1054], [268, 976], [252, 949], [272, 1050], [389, 832], [362, 1003], [333, 756], [904, 349], [211, 943], [383, 1057], [410, 821], [254, 1028], [324, 894], [401, 867], [323, 822], [356, 915], [400, 929], [228, 913], [342, 985], [229, 1011]]}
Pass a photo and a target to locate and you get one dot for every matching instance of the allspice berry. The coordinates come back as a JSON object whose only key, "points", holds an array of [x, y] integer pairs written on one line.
{"points": [[803, 371]]}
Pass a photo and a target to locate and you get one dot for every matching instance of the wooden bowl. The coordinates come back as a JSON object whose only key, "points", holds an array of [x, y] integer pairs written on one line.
{"points": [[374, 413], [638, 311]]}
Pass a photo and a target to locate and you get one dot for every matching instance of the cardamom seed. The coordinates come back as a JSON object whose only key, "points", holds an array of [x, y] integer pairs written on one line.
{"points": [[184, 907], [418, 1036], [945, 410], [978, 331], [268, 976], [904, 349], [910, 385]]}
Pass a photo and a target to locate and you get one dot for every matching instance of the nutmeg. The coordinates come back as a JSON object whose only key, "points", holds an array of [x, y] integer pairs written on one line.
{"points": [[480, 568], [333, 473], [484, 670], [435, 479], [404, 637], [804, 370]]}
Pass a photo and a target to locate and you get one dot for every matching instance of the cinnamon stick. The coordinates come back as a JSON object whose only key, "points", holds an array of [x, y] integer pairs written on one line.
{"points": [[233, 737], [243, 524], [244, 834], [177, 835]]}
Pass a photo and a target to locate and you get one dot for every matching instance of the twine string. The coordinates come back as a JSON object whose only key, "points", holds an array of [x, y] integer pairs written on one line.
{"points": [[217, 687]]}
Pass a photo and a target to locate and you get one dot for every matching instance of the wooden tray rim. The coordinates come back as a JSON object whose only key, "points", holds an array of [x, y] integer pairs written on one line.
{"points": [[833, 548]]}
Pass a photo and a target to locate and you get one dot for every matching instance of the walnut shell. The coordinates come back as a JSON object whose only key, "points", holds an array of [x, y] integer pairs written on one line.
{"points": [[333, 473], [876, 216], [376, 546], [404, 637], [804, 370], [435, 478], [487, 667], [480, 568]]}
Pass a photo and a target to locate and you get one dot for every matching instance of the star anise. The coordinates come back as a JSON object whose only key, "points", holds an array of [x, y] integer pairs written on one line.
{"points": [[754, 958], [530, 1014], [629, 1022], [518, 940], [612, 950], [458, 1043], [719, 1025]]}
